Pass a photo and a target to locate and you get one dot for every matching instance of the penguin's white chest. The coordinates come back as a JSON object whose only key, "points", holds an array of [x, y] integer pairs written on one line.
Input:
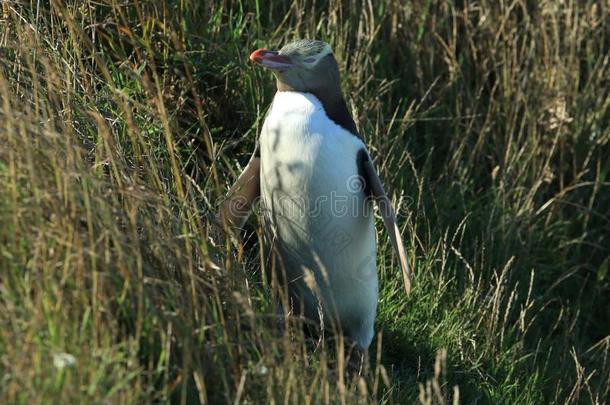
{"points": [[317, 213]]}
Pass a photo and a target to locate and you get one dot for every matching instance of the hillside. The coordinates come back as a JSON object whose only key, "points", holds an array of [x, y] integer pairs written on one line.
{"points": [[123, 124]]}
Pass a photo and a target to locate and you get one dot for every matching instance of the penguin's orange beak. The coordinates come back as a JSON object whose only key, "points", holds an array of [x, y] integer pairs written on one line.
{"points": [[271, 59]]}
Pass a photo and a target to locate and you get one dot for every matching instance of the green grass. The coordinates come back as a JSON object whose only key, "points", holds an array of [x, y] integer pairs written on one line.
{"points": [[122, 125]]}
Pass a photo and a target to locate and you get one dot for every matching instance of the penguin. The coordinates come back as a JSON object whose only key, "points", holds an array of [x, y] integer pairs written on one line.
{"points": [[316, 185]]}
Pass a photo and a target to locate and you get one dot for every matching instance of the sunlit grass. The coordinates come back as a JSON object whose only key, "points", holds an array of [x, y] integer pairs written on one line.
{"points": [[122, 125]]}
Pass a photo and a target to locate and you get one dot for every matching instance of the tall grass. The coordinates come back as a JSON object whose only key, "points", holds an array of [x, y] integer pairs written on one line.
{"points": [[122, 124]]}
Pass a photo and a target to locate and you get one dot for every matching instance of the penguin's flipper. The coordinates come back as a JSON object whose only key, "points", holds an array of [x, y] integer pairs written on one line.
{"points": [[374, 185], [237, 206]]}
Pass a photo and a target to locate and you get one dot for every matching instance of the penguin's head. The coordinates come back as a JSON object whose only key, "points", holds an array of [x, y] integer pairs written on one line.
{"points": [[304, 66]]}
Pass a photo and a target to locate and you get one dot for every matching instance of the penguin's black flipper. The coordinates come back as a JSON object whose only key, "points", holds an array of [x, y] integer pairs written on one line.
{"points": [[374, 187]]}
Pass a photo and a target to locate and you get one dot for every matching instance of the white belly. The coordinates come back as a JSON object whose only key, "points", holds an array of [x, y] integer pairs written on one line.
{"points": [[317, 213]]}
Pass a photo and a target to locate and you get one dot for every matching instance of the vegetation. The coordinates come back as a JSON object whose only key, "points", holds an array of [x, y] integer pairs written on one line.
{"points": [[122, 125]]}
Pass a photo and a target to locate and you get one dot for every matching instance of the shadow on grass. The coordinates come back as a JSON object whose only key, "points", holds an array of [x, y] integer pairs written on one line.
{"points": [[410, 360]]}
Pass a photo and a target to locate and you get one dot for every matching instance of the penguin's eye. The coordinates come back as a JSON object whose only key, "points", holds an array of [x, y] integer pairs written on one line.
{"points": [[310, 60]]}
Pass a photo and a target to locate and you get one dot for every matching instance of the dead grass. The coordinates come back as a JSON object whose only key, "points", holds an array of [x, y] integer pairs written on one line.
{"points": [[122, 125]]}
